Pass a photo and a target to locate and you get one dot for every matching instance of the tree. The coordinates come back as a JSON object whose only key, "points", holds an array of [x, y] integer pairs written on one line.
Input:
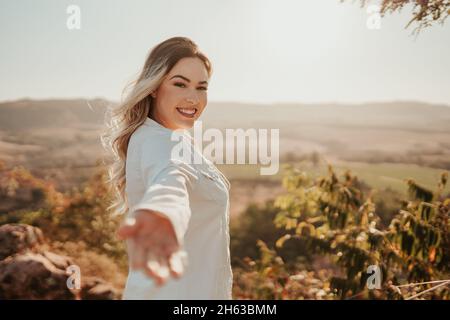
{"points": [[337, 220], [425, 13]]}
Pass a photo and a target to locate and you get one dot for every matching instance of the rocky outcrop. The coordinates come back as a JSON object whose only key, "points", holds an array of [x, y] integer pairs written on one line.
{"points": [[28, 270], [94, 288], [33, 276], [18, 238]]}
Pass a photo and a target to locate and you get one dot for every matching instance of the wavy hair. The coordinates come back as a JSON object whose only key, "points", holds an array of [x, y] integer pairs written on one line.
{"points": [[123, 119]]}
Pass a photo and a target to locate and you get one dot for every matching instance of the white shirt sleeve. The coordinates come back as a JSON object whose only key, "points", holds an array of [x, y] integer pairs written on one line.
{"points": [[167, 182]]}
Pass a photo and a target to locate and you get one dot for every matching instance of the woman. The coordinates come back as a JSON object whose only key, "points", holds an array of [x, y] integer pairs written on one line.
{"points": [[177, 211]]}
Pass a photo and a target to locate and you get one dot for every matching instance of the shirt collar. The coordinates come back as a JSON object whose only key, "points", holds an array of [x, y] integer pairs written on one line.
{"points": [[152, 123]]}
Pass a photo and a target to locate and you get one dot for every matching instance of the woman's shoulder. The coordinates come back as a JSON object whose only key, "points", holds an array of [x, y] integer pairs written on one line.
{"points": [[146, 134], [158, 146]]}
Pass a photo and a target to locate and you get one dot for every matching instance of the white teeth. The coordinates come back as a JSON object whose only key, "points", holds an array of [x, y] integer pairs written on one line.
{"points": [[187, 111]]}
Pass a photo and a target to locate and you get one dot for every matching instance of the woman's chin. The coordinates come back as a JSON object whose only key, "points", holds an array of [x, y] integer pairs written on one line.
{"points": [[185, 124]]}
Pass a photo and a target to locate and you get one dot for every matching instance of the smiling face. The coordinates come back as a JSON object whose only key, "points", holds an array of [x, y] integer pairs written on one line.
{"points": [[182, 96]]}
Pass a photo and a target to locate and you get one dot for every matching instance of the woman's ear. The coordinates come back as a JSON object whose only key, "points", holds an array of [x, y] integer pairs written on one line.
{"points": [[153, 94]]}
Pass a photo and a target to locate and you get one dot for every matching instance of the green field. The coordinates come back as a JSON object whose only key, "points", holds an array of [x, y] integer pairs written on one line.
{"points": [[379, 176]]}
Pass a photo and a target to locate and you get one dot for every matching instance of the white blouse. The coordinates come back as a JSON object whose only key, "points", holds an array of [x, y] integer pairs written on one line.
{"points": [[195, 198]]}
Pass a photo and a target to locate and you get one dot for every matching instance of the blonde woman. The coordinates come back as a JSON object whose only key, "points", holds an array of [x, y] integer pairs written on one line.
{"points": [[176, 211]]}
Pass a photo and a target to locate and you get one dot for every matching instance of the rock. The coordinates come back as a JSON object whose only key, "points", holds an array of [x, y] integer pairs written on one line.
{"points": [[18, 238], [93, 288], [32, 276], [29, 271], [61, 262]]}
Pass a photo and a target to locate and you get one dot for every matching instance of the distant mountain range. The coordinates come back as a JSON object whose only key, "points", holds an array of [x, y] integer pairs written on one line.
{"points": [[77, 113], [65, 133]]}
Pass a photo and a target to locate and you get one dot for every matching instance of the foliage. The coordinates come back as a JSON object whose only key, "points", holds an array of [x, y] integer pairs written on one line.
{"points": [[268, 277], [335, 219], [275, 247], [425, 12], [256, 224], [79, 215]]}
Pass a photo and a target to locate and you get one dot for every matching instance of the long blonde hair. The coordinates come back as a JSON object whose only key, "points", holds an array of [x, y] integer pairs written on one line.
{"points": [[122, 120]]}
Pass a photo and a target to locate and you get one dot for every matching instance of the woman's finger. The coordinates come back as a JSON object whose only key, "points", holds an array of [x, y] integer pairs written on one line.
{"points": [[128, 228], [177, 263], [163, 271], [152, 266], [139, 256]]}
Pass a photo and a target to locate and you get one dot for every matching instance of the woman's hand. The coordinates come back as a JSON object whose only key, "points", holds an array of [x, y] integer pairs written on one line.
{"points": [[154, 246]]}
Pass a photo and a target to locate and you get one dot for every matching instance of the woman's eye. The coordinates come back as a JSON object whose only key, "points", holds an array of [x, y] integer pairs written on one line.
{"points": [[182, 85]]}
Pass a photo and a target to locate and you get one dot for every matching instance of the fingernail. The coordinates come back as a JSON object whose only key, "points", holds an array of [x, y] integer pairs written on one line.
{"points": [[130, 221], [177, 265], [164, 272], [152, 265]]}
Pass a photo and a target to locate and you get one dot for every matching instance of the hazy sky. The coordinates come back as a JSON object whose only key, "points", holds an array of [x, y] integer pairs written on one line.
{"points": [[262, 50]]}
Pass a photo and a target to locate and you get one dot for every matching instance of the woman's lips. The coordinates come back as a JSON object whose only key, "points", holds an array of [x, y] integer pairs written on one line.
{"points": [[187, 112]]}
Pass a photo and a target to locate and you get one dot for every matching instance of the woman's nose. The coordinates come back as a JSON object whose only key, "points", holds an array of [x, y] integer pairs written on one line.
{"points": [[192, 100]]}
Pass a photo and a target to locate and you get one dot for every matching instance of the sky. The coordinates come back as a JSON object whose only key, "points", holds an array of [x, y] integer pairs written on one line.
{"points": [[262, 51]]}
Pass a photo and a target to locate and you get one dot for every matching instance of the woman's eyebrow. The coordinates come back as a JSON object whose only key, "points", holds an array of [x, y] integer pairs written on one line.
{"points": [[186, 79]]}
